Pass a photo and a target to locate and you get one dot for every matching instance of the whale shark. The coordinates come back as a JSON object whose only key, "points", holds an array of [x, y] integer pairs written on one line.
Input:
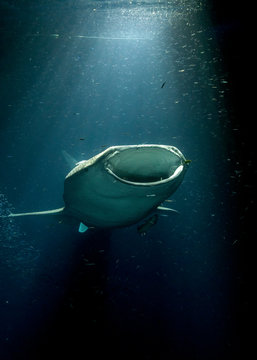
{"points": [[119, 186]]}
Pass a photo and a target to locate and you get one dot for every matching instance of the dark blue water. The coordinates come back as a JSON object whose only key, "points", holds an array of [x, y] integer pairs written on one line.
{"points": [[80, 78]]}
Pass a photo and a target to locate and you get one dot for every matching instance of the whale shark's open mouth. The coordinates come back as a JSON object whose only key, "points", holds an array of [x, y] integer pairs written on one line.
{"points": [[145, 164]]}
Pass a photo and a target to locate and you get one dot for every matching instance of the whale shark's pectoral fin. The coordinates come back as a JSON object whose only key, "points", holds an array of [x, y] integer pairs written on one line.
{"points": [[82, 228], [162, 208], [144, 228], [47, 212]]}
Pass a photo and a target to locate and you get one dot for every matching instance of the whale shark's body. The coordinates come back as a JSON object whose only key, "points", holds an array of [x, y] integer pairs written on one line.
{"points": [[120, 186]]}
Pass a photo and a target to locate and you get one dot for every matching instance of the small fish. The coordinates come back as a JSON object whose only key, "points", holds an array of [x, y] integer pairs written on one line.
{"points": [[163, 85], [82, 139]]}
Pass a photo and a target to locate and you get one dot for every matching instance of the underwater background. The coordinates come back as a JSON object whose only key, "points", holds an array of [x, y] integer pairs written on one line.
{"points": [[81, 76]]}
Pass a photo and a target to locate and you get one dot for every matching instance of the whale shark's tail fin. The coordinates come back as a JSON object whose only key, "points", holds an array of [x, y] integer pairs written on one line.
{"points": [[47, 212]]}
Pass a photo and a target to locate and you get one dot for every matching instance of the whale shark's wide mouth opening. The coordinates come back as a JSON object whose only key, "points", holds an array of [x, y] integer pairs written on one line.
{"points": [[145, 165]]}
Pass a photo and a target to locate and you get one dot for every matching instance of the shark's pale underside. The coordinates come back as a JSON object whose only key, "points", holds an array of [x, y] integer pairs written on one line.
{"points": [[120, 186]]}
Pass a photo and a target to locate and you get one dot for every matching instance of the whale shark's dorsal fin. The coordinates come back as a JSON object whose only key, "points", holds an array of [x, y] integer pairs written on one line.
{"points": [[69, 159]]}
